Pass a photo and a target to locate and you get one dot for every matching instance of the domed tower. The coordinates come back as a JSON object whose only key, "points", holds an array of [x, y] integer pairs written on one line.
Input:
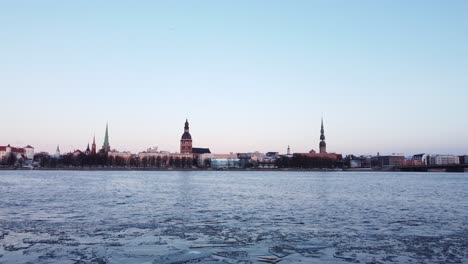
{"points": [[322, 145], [186, 140]]}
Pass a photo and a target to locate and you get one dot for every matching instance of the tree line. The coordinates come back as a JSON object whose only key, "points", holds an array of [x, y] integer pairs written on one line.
{"points": [[103, 160], [305, 162]]}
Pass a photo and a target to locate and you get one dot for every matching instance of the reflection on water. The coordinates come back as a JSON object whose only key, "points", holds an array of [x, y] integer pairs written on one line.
{"points": [[233, 217]]}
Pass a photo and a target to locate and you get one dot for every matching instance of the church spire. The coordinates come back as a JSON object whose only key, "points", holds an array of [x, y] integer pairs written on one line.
{"points": [[57, 152], [87, 151], [93, 147], [322, 132], [186, 127], [106, 145], [322, 145]]}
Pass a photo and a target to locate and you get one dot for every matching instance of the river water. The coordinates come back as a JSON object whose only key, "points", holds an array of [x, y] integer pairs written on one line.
{"points": [[233, 217]]}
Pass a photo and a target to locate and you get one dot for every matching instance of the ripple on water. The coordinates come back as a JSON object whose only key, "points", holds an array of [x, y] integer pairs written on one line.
{"points": [[232, 217]]}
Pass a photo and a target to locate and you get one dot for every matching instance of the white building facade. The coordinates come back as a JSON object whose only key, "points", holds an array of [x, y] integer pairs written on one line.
{"points": [[444, 160], [25, 153]]}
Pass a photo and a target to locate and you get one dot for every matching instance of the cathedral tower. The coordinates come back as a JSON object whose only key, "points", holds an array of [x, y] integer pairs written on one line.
{"points": [[186, 140]]}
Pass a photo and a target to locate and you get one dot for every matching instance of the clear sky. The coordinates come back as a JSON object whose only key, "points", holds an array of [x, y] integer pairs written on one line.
{"points": [[388, 76]]}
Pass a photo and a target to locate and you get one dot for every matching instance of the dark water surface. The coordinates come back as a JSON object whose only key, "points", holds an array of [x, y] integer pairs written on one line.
{"points": [[233, 217]]}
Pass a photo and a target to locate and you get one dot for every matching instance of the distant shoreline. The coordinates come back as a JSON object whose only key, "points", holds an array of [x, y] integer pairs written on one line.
{"points": [[197, 169], [164, 169]]}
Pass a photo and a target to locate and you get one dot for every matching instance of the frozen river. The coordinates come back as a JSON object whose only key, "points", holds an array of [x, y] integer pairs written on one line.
{"points": [[233, 217]]}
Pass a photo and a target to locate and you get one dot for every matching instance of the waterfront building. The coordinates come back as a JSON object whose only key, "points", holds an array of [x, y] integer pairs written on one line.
{"points": [[153, 157], [355, 162], [20, 153], [224, 163], [422, 157], [29, 152], [199, 151], [444, 160], [106, 146], [413, 162], [218, 160], [186, 140], [394, 160], [463, 159]]}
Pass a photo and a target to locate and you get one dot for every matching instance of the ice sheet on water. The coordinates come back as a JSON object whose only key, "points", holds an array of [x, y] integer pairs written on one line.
{"points": [[232, 217]]}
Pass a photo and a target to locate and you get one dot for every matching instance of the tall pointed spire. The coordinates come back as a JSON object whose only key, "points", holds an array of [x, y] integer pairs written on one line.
{"points": [[186, 127], [322, 132], [322, 145], [87, 151], [106, 145], [57, 152], [93, 147]]}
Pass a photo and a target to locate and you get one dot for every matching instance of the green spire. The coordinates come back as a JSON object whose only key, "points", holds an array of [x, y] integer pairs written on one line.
{"points": [[106, 137]]}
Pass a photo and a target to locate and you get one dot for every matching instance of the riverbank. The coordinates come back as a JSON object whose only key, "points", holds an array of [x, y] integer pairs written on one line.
{"points": [[208, 169], [167, 169]]}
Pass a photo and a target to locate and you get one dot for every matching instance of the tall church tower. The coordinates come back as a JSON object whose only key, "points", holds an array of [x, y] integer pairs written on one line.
{"points": [[93, 147], [323, 145], [106, 147], [186, 140]]}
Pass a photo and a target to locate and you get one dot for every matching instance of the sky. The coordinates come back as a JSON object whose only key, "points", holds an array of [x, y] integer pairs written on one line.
{"points": [[387, 76]]}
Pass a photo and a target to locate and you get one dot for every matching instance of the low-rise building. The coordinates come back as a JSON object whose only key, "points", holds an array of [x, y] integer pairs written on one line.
{"points": [[199, 151], [219, 160], [463, 159], [26, 153], [444, 160], [394, 160], [423, 157], [413, 162], [355, 162], [165, 158]]}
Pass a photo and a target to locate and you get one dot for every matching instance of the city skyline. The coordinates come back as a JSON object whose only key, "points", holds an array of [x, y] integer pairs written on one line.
{"points": [[387, 77], [106, 146]]}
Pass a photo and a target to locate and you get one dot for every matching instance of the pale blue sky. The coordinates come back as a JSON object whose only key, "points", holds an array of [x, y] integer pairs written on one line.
{"points": [[388, 76]]}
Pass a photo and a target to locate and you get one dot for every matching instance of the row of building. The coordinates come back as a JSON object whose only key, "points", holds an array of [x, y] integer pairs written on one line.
{"points": [[202, 157], [399, 160]]}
